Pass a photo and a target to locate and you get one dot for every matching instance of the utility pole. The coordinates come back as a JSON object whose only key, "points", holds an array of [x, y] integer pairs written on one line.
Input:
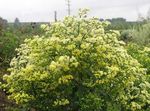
{"points": [[68, 5], [55, 16]]}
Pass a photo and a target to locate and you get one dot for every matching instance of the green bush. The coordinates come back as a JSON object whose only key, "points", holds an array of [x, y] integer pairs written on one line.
{"points": [[76, 66], [141, 53], [8, 43], [142, 35], [126, 35]]}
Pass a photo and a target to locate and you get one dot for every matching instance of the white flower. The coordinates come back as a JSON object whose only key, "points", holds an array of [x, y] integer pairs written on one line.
{"points": [[43, 26], [53, 66]]}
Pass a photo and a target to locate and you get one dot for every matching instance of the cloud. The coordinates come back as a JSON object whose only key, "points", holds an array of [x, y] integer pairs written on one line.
{"points": [[43, 10]]}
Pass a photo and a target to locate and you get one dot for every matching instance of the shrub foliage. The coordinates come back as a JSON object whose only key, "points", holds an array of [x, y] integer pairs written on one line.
{"points": [[77, 66]]}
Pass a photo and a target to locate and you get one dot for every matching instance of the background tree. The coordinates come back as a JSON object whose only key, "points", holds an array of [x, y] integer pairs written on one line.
{"points": [[3, 25], [17, 23], [148, 14]]}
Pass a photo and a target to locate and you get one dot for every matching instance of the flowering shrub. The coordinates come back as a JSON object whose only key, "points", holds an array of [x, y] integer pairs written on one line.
{"points": [[77, 66]]}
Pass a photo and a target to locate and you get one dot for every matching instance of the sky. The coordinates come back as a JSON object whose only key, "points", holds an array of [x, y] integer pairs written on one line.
{"points": [[43, 10]]}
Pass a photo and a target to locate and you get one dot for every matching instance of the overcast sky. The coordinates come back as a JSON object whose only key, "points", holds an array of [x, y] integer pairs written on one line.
{"points": [[43, 10]]}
